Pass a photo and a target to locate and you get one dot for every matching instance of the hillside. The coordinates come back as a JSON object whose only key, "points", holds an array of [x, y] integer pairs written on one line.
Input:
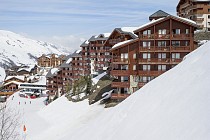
{"points": [[17, 49], [174, 106]]}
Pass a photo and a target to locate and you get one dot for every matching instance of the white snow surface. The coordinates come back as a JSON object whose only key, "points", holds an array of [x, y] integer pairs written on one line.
{"points": [[174, 106], [19, 49], [97, 78], [2, 74], [129, 29]]}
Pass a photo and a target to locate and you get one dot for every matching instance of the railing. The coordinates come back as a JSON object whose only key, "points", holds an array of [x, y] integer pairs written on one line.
{"points": [[141, 84], [120, 60], [150, 73], [119, 95], [155, 60], [176, 61], [164, 36], [120, 84], [180, 48], [120, 72], [152, 48]]}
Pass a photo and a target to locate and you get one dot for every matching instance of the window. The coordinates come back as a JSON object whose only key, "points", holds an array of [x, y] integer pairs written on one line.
{"points": [[161, 43], [175, 55], [175, 43], [134, 56], [124, 67], [186, 43], [146, 67], [161, 67], [187, 31], [147, 32], [162, 31], [162, 55], [124, 79], [124, 55], [146, 56], [176, 31], [146, 44], [208, 16], [134, 67], [208, 10]]}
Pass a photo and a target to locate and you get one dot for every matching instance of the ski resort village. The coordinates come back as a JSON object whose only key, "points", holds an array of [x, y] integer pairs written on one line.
{"points": [[144, 82]]}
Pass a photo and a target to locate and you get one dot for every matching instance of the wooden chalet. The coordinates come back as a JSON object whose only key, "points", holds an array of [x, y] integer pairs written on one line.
{"points": [[161, 44]]}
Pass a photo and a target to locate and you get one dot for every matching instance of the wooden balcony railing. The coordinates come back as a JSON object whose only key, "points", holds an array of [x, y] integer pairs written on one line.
{"points": [[154, 60], [120, 60], [120, 84], [141, 84], [150, 73], [180, 48], [152, 48], [176, 61], [165, 36], [119, 95], [120, 72]]}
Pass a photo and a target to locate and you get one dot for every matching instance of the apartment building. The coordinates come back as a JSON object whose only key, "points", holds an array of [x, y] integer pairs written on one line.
{"points": [[196, 10], [51, 60], [60, 78], [160, 45], [95, 54]]}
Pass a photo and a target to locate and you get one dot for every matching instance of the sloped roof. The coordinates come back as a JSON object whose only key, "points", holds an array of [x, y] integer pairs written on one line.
{"points": [[67, 61], [52, 72], [159, 14], [76, 54], [17, 77], [184, 20], [85, 43]]}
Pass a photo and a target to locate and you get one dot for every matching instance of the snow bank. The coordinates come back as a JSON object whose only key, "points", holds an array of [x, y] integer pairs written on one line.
{"points": [[65, 116], [174, 106]]}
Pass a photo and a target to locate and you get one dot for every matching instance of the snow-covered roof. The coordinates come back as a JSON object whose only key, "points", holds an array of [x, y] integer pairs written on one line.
{"points": [[26, 68], [129, 29], [106, 34], [175, 17], [52, 72], [17, 77], [68, 61], [12, 82], [121, 43]]}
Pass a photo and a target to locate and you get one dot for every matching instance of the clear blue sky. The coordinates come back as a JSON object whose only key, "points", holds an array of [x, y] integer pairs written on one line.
{"points": [[65, 22]]}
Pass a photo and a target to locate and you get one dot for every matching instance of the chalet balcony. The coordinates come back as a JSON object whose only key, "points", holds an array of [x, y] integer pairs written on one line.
{"points": [[141, 84], [155, 49], [164, 36], [120, 72], [181, 36], [176, 61], [121, 84], [150, 73], [120, 60], [119, 95], [180, 49], [154, 61]]}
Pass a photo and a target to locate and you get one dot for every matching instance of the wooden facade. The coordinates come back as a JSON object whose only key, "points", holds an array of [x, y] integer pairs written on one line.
{"points": [[160, 46], [52, 60], [95, 55], [196, 10]]}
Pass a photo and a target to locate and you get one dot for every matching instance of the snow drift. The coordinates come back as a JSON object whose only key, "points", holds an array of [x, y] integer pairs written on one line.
{"points": [[174, 106]]}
